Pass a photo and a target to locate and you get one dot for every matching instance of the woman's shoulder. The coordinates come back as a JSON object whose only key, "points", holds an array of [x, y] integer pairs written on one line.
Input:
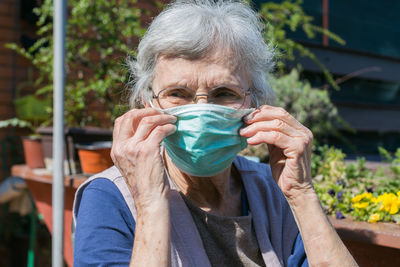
{"points": [[101, 192], [105, 186], [108, 186], [104, 226]]}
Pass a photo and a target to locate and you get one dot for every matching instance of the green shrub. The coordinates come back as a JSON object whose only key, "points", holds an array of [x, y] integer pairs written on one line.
{"points": [[100, 35]]}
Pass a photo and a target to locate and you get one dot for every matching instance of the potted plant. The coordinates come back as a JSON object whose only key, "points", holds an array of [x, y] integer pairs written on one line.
{"points": [[32, 112], [363, 204], [32, 144]]}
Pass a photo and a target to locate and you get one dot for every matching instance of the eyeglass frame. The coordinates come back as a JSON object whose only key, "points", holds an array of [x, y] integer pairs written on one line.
{"points": [[194, 101]]}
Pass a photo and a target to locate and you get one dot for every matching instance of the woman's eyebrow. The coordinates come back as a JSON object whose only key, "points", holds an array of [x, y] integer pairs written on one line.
{"points": [[230, 85], [176, 87]]}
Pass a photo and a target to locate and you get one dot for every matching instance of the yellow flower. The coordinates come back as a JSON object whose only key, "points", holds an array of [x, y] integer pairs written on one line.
{"points": [[357, 198], [360, 197], [398, 193], [361, 205], [390, 203], [368, 195], [394, 209], [373, 218]]}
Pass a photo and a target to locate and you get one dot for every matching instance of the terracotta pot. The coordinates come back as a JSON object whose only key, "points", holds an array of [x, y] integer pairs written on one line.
{"points": [[72, 137], [33, 152], [94, 157]]}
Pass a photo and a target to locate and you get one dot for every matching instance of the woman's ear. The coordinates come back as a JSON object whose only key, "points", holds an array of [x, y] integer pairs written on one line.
{"points": [[146, 104]]}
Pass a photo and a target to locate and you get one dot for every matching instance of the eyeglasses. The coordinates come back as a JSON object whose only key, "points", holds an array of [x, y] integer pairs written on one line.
{"points": [[233, 97]]}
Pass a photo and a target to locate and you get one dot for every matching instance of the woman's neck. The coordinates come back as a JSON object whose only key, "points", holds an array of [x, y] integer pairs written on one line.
{"points": [[219, 194]]}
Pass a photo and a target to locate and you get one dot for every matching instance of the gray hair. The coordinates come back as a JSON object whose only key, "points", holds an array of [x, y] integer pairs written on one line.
{"points": [[193, 30]]}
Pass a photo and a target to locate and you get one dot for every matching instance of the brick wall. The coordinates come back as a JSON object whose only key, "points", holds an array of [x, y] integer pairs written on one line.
{"points": [[13, 68]]}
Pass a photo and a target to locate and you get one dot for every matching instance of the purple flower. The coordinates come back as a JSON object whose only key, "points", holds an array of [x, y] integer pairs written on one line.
{"points": [[331, 192], [340, 196], [339, 215], [340, 182]]}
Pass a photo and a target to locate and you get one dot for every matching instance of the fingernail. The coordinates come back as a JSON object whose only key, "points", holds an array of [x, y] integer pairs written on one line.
{"points": [[172, 131], [243, 130], [173, 119]]}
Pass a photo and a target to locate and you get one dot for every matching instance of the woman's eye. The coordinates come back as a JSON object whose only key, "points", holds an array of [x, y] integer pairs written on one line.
{"points": [[181, 93], [175, 94], [225, 93]]}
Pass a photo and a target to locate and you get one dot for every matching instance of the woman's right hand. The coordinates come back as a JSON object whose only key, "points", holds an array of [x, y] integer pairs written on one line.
{"points": [[136, 153]]}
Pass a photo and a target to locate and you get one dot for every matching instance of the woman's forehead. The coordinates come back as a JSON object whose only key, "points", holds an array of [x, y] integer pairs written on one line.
{"points": [[206, 72]]}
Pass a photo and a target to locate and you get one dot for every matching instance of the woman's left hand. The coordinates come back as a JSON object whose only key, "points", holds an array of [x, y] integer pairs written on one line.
{"points": [[289, 144]]}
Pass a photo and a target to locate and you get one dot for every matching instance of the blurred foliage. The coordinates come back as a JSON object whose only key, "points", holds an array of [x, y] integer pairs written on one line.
{"points": [[288, 16], [100, 35], [351, 189], [310, 106]]}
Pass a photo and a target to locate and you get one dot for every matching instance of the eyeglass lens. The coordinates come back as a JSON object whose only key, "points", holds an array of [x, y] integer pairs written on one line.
{"points": [[171, 97]]}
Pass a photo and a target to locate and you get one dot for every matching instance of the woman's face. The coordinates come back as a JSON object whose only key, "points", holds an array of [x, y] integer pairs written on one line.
{"points": [[201, 76]]}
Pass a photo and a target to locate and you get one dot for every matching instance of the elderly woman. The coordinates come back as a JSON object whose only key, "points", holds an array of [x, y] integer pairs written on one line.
{"points": [[178, 194]]}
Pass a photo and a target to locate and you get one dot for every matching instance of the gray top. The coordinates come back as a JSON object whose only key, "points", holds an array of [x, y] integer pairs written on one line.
{"points": [[228, 241], [273, 221]]}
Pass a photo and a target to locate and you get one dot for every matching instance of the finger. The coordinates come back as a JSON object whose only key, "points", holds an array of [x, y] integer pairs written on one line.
{"points": [[116, 127], [159, 133], [147, 124], [266, 112], [290, 146], [272, 125], [124, 127], [130, 121]]}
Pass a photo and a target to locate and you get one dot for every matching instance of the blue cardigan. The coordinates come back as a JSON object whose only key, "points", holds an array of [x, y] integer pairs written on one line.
{"points": [[106, 222]]}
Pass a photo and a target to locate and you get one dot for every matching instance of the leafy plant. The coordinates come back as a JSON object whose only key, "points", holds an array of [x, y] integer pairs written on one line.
{"points": [[31, 111], [310, 106], [393, 160], [98, 39], [290, 16], [351, 189], [15, 122]]}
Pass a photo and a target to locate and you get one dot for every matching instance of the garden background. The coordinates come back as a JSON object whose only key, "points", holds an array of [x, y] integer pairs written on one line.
{"points": [[338, 66]]}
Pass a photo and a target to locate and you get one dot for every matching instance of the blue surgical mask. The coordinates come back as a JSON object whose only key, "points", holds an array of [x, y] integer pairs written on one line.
{"points": [[207, 138]]}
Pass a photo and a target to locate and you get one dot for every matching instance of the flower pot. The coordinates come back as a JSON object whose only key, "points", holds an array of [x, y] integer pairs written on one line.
{"points": [[72, 137], [94, 157], [33, 152], [371, 244]]}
